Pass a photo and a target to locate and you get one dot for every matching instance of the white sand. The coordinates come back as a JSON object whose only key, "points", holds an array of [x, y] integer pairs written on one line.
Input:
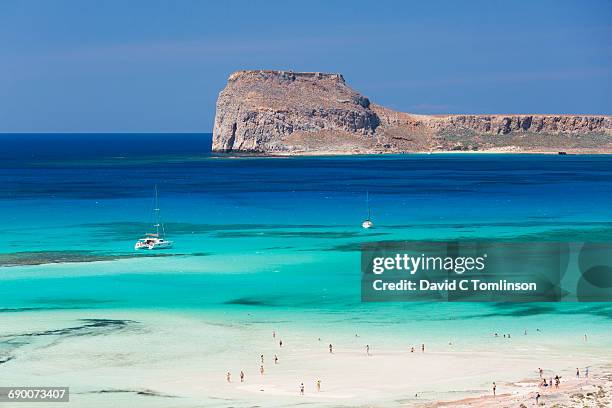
{"points": [[187, 356]]}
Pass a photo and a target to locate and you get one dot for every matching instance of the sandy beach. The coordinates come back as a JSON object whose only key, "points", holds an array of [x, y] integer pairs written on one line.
{"points": [[591, 392], [131, 363]]}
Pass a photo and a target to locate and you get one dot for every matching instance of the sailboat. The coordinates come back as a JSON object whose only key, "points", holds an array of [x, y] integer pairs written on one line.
{"points": [[368, 221], [157, 239]]}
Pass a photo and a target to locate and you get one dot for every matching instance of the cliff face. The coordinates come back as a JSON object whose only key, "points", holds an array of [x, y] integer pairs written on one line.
{"points": [[258, 110], [282, 112]]}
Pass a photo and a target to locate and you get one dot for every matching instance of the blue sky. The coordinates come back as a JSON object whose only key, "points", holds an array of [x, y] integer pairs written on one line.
{"points": [[114, 66]]}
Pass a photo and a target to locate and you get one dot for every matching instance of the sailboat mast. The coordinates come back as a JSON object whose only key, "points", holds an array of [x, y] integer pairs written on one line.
{"points": [[156, 209]]}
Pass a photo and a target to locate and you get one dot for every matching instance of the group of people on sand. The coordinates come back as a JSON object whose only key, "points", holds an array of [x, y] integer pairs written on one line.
{"points": [[228, 375], [555, 381]]}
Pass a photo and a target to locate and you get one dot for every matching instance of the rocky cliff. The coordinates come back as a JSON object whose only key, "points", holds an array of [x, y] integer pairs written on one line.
{"points": [[283, 112]]}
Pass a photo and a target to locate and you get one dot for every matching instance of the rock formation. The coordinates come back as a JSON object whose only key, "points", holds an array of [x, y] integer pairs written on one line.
{"points": [[283, 112]]}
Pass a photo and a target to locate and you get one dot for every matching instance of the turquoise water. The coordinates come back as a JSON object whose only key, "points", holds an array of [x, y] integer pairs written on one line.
{"points": [[260, 232], [274, 241]]}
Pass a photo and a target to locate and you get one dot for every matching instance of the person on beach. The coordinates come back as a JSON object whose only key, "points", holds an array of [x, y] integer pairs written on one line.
{"points": [[273, 334], [318, 385], [412, 350], [302, 389], [586, 372], [537, 398], [275, 359], [331, 349], [544, 383], [557, 381], [261, 370], [550, 383], [423, 347], [540, 371], [367, 349], [577, 373], [280, 343], [241, 376], [262, 360], [494, 388], [228, 377]]}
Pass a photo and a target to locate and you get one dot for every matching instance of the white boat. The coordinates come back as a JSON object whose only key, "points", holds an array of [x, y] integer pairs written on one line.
{"points": [[367, 223], [156, 240]]}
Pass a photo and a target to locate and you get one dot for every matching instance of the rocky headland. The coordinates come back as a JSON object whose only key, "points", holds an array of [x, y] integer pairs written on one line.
{"points": [[310, 113]]}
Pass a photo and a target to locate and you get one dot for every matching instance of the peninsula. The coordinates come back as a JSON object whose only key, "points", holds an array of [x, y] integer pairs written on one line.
{"points": [[311, 113]]}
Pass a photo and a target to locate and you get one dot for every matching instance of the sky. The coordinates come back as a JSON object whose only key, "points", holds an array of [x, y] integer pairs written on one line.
{"points": [[158, 66]]}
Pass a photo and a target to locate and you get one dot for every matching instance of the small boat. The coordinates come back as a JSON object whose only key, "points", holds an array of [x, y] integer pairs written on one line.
{"points": [[368, 221], [156, 240]]}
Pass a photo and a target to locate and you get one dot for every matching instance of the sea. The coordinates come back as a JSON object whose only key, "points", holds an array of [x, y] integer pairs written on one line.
{"points": [[260, 244]]}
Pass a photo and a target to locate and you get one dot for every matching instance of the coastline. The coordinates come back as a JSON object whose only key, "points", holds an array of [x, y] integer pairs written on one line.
{"points": [[578, 393], [331, 153], [121, 359]]}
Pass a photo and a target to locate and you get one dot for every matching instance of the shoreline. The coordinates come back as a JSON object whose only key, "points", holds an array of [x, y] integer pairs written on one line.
{"points": [[125, 354], [331, 153], [582, 392]]}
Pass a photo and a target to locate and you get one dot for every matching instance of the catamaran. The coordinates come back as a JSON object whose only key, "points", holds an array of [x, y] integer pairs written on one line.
{"points": [[368, 221], [156, 240]]}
